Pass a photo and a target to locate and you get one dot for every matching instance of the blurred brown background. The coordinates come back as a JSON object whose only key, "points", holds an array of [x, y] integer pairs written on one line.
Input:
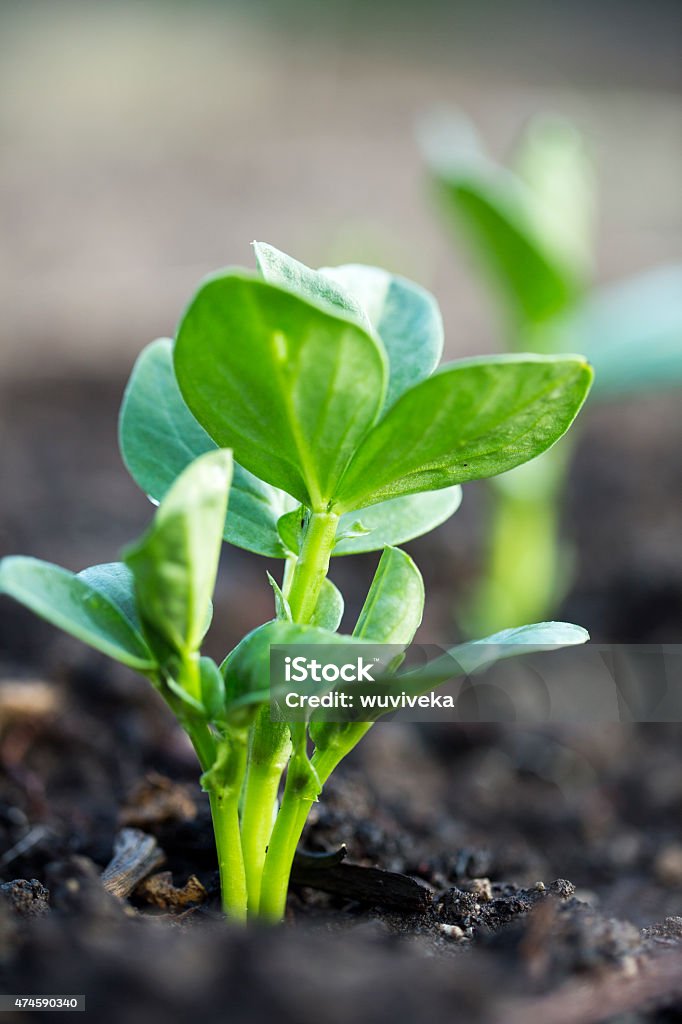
{"points": [[146, 144]]}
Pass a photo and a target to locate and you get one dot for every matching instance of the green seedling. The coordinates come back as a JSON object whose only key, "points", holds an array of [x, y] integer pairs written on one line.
{"points": [[347, 437], [530, 228]]}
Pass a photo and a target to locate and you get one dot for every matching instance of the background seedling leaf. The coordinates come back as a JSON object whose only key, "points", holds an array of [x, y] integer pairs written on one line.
{"points": [[393, 609], [79, 607], [159, 437], [288, 386], [176, 561], [405, 316], [552, 160], [472, 419], [495, 210], [632, 333]]}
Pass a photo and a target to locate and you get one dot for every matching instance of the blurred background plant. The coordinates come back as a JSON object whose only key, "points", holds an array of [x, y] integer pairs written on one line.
{"points": [[531, 228]]}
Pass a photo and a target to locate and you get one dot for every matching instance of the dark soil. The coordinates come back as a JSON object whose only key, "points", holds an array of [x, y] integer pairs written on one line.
{"points": [[491, 873]]}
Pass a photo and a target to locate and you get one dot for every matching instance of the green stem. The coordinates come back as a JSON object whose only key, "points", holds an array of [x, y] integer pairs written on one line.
{"points": [[291, 821], [225, 815], [299, 791], [223, 781], [258, 814], [525, 572], [312, 565]]}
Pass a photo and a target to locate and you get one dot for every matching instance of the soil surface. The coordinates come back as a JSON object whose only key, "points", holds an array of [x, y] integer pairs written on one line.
{"points": [[477, 873]]}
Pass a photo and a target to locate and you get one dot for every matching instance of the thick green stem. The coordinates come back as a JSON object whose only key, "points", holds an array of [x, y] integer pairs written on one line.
{"points": [[280, 856], [312, 565], [225, 815], [258, 815], [223, 782], [299, 791], [291, 821]]}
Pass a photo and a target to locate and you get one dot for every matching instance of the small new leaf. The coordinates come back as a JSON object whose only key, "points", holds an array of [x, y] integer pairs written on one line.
{"points": [[282, 609], [393, 609], [176, 561]]}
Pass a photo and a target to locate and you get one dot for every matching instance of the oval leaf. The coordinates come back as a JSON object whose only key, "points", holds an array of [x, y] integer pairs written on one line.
{"points": [[159, 437], [246, 669], [116, 582], [405, 316], [632, 333], [329, 610], [394, 606], [398, 520], [280, 269], [465, 659], [289, 387], [176, 561], [78, 607], [473, 419]]}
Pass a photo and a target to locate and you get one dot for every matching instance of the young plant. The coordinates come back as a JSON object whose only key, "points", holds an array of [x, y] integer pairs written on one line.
{"points": [[531, 228], [347, 438]]}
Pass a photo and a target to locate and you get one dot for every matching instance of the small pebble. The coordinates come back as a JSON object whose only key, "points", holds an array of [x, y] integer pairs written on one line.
{"points": [[452, 931], [483, 889], [668, 865]]}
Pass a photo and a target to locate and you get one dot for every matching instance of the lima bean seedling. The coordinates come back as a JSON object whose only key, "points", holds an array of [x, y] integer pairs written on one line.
{"points": [[300, 415]]}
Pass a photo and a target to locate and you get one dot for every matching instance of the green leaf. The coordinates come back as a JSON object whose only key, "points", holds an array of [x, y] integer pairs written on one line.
{"points": [[393, 609], [552, 160], [159, 437], [280, 269], [397, 520], [115, 581], [632, 333], [329, 610], [176, 561], [474, 418], [388, 523], [86, 610], [289, 386], [405, 316], [246, 669], [282, 609], [291, 527], [468, 658], [494, 210], [212, 690], [391, 614]]}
